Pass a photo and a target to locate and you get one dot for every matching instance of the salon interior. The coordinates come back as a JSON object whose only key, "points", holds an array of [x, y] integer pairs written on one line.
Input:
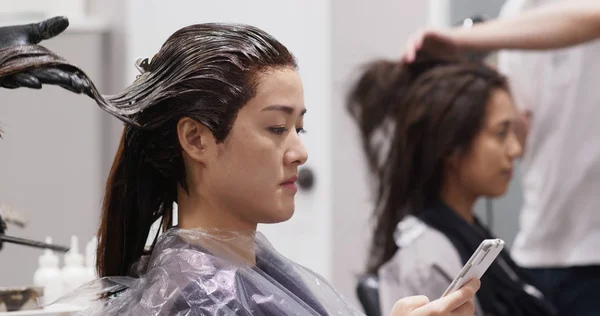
{"points": [[57, 148]]}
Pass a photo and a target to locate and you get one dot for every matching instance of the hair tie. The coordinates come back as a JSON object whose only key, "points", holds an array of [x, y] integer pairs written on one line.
{"points": [[142, 65]]}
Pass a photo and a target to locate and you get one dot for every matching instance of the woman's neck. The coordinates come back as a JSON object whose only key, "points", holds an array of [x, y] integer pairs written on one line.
{"points": [[196, 212], [227, 231], [456, 198]]}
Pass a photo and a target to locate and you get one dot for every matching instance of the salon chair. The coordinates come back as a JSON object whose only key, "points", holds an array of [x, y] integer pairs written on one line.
{"points": [[367, 291]]}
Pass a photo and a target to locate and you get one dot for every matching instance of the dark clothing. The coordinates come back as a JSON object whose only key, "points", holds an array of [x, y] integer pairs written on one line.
{"points": [[505, 289]]}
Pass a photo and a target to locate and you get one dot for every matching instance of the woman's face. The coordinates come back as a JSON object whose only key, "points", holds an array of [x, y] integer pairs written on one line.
{"points": [[487, 168], [252, 173]]}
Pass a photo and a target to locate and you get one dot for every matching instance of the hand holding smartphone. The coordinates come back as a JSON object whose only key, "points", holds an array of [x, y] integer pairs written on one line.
{"points": [[479, 262]]}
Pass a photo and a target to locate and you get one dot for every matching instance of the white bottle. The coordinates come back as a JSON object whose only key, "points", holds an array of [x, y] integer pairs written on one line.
{"points": [[48, 275], [73, 273], [90, 260]]}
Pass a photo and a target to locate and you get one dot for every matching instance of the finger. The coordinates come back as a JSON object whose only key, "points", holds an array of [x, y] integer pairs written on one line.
{"points": [[466, 309], [450, 302], [64, 79], [420, 39], [409, 304], [88, 92], [409, 55], [415, 48], [52, 76], [414, 45], [55, 77], [8, 84], [70, 88], [26, 80], [79, 83], [460, 297], [47, 29]]}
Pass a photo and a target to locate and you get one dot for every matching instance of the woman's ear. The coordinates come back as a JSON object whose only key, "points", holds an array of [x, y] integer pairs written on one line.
{"points": [[195, 138], [453, 160]]}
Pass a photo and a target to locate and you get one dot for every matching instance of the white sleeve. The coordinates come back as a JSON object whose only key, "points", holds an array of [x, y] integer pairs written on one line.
{"points": [[522, 68], [523, 71]]}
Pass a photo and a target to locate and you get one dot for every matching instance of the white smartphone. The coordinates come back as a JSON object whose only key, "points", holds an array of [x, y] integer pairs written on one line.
{"points": [[479, 262]]}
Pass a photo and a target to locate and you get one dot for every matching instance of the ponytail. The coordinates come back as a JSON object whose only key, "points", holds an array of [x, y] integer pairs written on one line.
{"points": [[374, 102], [375, 99], [137, 194]]}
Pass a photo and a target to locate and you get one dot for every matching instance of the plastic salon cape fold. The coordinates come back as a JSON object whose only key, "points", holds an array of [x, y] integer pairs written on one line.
{"points": [[199, 272]]}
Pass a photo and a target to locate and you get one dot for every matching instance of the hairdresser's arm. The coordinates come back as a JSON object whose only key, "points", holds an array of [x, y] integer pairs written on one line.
{"points": [[30, 34], [459, 303], [556, 25]]}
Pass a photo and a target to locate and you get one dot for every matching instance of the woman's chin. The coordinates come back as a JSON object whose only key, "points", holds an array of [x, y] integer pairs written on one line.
{"points": [[282, 215], [499, 192]]}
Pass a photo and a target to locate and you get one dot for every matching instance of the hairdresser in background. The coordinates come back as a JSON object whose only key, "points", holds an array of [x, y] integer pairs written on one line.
{"points": [[558, 238], [34, 33], [446, 128]]}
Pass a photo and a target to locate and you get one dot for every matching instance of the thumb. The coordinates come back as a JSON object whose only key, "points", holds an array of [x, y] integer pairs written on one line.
{"points": [[408, 304], [47, 29]]}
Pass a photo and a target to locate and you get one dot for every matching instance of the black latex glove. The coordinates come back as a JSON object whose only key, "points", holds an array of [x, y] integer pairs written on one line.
{"points": [[33, 34]]}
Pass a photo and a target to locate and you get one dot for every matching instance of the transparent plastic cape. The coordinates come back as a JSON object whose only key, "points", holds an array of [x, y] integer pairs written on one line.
{"points": [[200, 272]]}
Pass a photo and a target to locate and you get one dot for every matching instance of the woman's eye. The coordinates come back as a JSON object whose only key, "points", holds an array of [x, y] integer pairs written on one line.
{"points": [[300, 130], [282, 129], [278, 130]]}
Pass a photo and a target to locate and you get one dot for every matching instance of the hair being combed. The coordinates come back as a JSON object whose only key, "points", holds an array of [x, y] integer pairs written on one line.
{"points": [[412, 117], [206, 72]]}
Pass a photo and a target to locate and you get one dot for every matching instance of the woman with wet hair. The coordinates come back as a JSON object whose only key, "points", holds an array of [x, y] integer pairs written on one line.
{"points": [[438, 134], [213, 124]]}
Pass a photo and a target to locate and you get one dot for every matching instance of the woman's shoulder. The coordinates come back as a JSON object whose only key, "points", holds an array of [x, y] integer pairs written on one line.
{"points": [[425, 259], [425, 264]]}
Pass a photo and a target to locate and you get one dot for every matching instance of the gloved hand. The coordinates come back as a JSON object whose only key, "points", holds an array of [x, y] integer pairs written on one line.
{"points": [[34, 33]]}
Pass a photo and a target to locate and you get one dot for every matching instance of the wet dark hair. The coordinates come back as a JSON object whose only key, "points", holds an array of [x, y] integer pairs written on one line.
{"points": [[206, 72], [412, 117]]}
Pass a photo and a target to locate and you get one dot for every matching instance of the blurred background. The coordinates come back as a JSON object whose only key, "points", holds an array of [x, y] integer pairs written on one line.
{"points": [[58, 147]]}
